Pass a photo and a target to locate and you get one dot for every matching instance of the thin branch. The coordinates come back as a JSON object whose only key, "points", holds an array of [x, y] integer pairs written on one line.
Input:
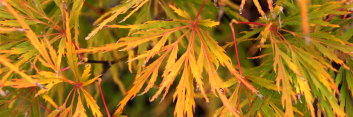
{"points": [[95, 10], [235, 47], [45, 108], [332, 15], [102, 96], [199, 12]]}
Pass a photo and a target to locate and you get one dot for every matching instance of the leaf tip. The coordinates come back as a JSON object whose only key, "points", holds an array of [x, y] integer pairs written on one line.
{"points": [[87, 38]]}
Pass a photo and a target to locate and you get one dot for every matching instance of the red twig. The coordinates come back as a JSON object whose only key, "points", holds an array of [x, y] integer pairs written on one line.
{"points": [[199, 12], [236, 48], [237, 53], [80, 55], [102, 95], [96, 10], [332, 15], [45, 108], [235, 39], [22, 101], [68, 67]]}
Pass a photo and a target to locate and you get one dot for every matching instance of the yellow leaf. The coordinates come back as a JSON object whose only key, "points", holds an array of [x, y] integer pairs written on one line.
{"points": [[120, 9], [29, 33], [6, 30], [50, 100], [48, 87], [141, 56], [61, 49], [132, 42], [71, 54], [51, 49], [14, 23], [157, 47], [208, 23], [153, 24], [180, 12], [185, 95], [74, 17], [91, 103], [216, 82], [130, 57], [66, 111], [194, 67], [305, 89], [86, 73], [91, 81], [169, 76], [151, 81], [5, 62], [54, 113], [200, 60], [242, 4], [80, 110], [270, 5], [265, 33], [290, 64], [139, 81], [259, 9], [287, 92], [172, 58]]}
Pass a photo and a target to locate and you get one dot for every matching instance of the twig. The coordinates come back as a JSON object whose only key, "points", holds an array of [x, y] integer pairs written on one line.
{"points": [[199, 12], [102, 96], [235, 46]]}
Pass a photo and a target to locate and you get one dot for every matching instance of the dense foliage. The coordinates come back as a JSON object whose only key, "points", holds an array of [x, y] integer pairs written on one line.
{"points": [[176, 57]]}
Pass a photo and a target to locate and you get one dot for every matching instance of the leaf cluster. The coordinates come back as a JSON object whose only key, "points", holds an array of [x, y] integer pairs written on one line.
{"points": [[59, 57]]}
